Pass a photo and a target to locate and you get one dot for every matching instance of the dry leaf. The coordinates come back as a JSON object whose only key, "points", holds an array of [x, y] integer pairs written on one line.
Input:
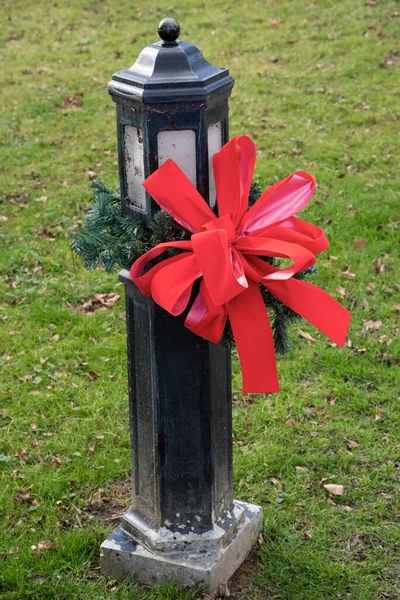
{"points": [[91, 449], [359, 243], [44, 545], [371, 325], [275, 481], [55, 337], [351, 443], [378, 417], [14, 550], [370, 287], [93, 376], [224, 591], [23, 495], [365, 304], [348, 508], [340, 290], [348, 275], [335, 490], [306, 336], [56, 462], [301, 469], [99, 302], [274, 22], [290, 422], [23, 455], [378, 266]]}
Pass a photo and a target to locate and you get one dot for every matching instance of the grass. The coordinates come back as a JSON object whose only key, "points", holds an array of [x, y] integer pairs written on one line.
{"points": [[316, 88]]}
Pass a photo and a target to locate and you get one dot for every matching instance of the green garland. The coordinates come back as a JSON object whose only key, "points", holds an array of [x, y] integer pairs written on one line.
{"points": [[112, 240]]}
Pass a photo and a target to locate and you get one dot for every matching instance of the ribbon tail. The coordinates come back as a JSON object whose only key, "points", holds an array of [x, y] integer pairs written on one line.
{"points": [[254, 341], [314, 305]]}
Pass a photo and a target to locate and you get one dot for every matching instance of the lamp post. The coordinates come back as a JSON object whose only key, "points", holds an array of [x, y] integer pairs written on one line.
{"points": [[184, 524]]}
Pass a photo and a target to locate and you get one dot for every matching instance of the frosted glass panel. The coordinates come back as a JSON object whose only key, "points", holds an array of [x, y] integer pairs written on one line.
{"points": [[134, 167], [181, 147], [214, 145]]}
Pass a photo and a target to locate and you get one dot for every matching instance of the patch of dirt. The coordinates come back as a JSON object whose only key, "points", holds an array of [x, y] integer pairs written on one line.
{"points": [[240, 585], [110, 503]]}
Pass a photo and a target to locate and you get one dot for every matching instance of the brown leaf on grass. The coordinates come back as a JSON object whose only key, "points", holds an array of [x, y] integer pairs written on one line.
{"points": [[44, 545], [73, 103], [91, 450], [306, 336], [397, 307], [14, 550], [23, 495], [369, 325], [301, 469], [276, 482], [365, 304], [351, 443], [334, 490], [93, 376], [55, 337], [378, 266], [56, 462], [224, 591], [45, 233], [22, 453], [348, 275], [340, 290], [392, 57], [274, 23], [359, 243], [378, 417], [370, 287], [99, 302], [290, 422]]}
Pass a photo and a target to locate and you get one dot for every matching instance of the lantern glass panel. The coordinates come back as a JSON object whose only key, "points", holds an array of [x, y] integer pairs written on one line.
{"points": [[214, 145], [134, 162], [181, 147]]}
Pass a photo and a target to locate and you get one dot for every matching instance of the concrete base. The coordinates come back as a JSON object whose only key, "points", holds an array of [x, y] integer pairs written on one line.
{"points": [[207, 565]]}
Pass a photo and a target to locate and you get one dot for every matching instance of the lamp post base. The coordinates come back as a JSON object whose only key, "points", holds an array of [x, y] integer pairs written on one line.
{"points": [[208, 565]]}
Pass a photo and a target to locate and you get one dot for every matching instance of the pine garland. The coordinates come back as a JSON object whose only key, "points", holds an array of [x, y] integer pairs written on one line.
{"points": [[113, 240]]}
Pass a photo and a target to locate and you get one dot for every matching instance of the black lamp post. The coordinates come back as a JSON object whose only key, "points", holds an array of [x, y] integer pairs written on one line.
{"points": [[184, 524], [170, 104]]}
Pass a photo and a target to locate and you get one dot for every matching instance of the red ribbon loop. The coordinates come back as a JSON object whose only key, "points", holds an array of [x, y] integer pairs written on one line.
{"points": [[225, 253]]}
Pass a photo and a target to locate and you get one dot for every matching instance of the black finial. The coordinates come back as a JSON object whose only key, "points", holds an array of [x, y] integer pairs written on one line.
{"points": [[168, 30]]}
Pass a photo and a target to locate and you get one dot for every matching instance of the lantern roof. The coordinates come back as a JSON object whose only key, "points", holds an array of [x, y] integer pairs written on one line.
{"points": [[170, 71]]}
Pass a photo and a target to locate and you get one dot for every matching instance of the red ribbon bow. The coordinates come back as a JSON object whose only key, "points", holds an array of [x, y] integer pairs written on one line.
{"points": [[225, 252]]}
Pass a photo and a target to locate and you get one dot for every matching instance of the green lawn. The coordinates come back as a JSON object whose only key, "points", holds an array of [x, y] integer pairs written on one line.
{"points": [[317, 88]]}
